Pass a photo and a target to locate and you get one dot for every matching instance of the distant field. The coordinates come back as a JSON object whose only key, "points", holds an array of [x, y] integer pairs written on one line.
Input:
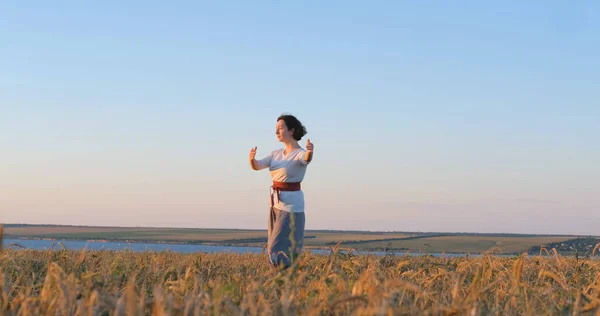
{"points": [[411, 242], [470, 244], [314, 238]]}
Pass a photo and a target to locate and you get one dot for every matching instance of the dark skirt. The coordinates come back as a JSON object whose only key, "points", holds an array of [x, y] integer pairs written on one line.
{"points": [[285, 233]]}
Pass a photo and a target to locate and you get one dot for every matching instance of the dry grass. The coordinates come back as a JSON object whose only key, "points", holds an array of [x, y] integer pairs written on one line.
{"points": [[66, 282]]}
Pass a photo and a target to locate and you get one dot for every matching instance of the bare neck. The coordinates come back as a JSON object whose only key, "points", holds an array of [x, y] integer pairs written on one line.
{"points": [[291, 146]]}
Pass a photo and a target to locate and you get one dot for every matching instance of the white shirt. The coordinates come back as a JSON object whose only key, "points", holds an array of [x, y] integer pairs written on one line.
{"points": [[289, 167]]}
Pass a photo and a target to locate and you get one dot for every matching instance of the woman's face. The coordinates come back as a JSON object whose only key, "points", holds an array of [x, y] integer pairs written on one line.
{"points": [[283, 134]]}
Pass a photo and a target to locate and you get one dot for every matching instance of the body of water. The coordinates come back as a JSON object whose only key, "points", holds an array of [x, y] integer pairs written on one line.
{"points": [[115, 245], [38, 244]]}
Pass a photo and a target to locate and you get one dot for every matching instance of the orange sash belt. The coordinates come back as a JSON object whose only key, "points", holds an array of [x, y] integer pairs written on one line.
{"points": [[283, 186]]}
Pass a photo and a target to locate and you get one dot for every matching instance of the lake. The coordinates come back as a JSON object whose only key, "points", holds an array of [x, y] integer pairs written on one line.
{"points": [[44, 244]]}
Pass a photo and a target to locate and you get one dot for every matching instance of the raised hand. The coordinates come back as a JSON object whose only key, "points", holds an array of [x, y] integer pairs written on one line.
{"points": [[309, 146], [252, 153]]}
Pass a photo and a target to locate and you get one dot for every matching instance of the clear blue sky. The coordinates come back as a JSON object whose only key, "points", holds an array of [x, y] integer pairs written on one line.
{"points": [[462, 116]]}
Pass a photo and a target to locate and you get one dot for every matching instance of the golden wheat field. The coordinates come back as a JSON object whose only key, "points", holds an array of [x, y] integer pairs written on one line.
{"points": [[69, 282]]}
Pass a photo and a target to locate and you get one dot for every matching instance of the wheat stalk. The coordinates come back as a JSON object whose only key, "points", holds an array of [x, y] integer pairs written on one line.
{"points": [[593, 251], [163, 283]]}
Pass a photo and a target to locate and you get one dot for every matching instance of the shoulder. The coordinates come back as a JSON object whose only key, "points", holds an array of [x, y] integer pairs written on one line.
{"points": [[300, 153], [276, 152]]}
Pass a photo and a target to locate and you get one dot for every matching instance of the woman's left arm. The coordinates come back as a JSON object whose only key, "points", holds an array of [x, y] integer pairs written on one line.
{"points": [[309, 151]]}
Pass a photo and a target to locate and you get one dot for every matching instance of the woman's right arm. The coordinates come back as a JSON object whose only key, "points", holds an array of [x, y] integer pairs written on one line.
{"points": [[253, 163], [259, 164]]}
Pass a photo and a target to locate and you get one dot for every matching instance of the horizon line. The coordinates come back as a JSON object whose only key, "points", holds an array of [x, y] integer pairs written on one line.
{"points": [[330, 230]]}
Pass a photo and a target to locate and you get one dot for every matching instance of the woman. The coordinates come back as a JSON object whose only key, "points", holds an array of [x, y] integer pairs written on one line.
{"points": [[287, 166]]}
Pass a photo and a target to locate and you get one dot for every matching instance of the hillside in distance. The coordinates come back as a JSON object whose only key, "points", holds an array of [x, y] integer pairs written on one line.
{"points": [[425, 242]]}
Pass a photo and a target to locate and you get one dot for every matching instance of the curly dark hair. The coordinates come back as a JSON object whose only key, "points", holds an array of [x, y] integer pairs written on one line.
{"points": [[293, 123]]}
